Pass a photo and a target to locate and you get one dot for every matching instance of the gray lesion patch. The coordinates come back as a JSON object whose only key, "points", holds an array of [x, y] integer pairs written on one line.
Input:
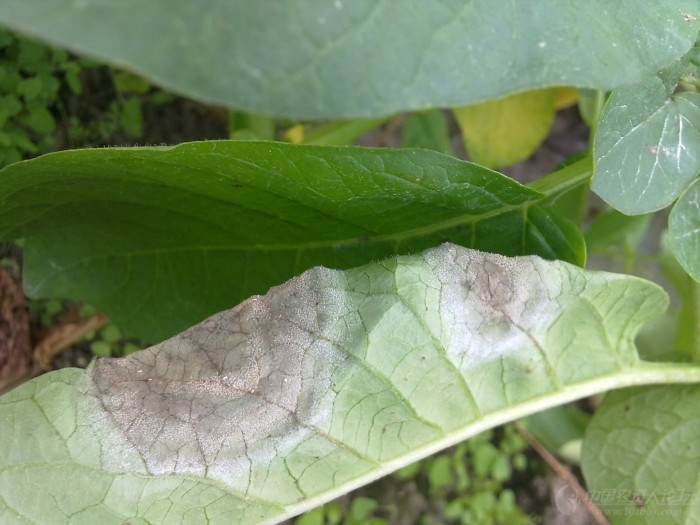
{"points": [[226, 396], [489, 304], [231, 396]]}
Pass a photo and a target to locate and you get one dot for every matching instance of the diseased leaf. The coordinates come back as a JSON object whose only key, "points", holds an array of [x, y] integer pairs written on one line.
{"points": [[323, 384], [361, 58], [502, 132], [160, 238], [684, 230], [641, 456], [647, 144]]}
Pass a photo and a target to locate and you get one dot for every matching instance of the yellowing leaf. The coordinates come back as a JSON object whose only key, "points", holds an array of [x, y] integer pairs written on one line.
{"points": [[565, 97], [295, 134], [502, 132]]}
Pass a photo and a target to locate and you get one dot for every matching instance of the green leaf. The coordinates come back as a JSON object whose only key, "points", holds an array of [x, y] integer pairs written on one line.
{"points": [[6, 38], [340, 133], [684, 230], [640, 455], [362, 508], [687, 338], [326, 383], [261, 127], [567, 188], [127, 83], [10, 106], [590, 106], [160, 238], [558, 426], [647, 144], [8, 155], [613, 228], [687, 329], [427, 129], [503, 132], [362, 58], [20, 138], [40, 120], [130, 117], [72, 78], [31, 88]]}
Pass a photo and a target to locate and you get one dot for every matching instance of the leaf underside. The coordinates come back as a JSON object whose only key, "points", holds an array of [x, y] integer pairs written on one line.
{"points": [[641, 448], [325, 383], [358, 58]]}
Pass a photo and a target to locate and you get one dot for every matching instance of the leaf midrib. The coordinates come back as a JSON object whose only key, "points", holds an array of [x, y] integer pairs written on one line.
{"points": [[424, 231]]}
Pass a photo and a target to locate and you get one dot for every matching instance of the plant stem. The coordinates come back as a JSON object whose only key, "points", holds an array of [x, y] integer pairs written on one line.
{"points": [[693, 305], [665, 373], [598, 104], [563, 472], [565, 179]]}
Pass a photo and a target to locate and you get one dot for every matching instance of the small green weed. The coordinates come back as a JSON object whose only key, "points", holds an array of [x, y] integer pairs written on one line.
{"points": [[30, 77], [465, 485], [35, 82]]}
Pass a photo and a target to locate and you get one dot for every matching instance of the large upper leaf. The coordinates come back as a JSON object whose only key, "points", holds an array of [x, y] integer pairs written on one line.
{"points": [[641, 458], [327, 382], [160, 238], [349, 58]]}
